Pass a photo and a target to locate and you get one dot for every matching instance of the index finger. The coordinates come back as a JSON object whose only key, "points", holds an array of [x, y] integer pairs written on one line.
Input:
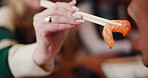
{"points": [[67, 6], [73, 2]]}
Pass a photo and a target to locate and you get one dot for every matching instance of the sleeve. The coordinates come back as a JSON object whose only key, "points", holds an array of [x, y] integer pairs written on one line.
{"points": [[6, 40], [4, 68], [17, 59], [22, 65]]}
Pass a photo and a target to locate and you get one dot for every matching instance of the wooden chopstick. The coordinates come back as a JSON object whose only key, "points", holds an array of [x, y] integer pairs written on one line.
{"points": [[86, 16]]}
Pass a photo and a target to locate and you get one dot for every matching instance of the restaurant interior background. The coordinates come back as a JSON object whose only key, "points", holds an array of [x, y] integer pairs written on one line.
{"points": [[78, 60]]}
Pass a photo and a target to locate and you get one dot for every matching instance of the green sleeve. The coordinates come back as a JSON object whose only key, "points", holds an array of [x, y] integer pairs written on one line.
{"points": [[4, 66], [6, 34]]}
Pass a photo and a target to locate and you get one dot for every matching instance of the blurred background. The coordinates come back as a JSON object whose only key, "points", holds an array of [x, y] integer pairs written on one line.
{"points": [[86, 55]]}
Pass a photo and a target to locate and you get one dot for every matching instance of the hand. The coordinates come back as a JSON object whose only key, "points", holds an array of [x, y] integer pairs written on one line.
{"points": [[50, 36]]}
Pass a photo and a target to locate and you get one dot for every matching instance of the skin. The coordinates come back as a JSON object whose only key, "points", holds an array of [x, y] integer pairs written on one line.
{"points": [[50, 36], [138, 10]]}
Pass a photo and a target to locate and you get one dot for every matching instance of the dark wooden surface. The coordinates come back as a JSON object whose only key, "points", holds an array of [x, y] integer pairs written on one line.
{"points": [[89, 67]]}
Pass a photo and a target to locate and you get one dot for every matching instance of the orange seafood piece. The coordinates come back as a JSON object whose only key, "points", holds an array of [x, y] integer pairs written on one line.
{"points": [[109, 28]]}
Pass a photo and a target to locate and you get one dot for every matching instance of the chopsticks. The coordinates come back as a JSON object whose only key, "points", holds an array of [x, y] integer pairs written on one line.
{"points": [[86, 16]]}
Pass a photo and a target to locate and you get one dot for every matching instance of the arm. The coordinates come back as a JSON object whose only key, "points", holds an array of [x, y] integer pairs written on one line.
{"points": [[6, 40], [37, 59], [15, 57]]}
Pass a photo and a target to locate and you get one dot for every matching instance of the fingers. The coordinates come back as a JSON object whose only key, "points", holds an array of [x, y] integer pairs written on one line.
{"points": [[58, 19], [73, 2], [65, 20], [57, 27], [63, 17], [61, 8], [71, 6], [60, 24], [62, 12]]}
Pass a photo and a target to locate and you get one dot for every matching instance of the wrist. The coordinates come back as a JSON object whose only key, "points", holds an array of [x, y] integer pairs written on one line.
{"points": [[43, 62], [41, 57]]}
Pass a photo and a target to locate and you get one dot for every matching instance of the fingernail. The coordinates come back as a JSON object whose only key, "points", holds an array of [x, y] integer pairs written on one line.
{"points": [[74, 1], [75, 8], [76, 15], [80, 20]]}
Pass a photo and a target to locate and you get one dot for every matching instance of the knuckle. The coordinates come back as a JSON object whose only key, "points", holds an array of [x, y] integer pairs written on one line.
{"points": [[57, 10], [73, 22], [36, 17], [67, 25], [35, 20], [57, 26], [70, 14], [56, 18], [57, 3], [61, 3], [37, 25], [54, 9]]}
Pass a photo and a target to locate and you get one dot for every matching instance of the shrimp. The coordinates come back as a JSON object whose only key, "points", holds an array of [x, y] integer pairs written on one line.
{"points": [[109, 28]]}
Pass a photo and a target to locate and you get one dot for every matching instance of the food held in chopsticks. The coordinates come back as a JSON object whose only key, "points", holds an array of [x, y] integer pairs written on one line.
{"points": [[109, 28], [121, 26], [86, 16]]}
